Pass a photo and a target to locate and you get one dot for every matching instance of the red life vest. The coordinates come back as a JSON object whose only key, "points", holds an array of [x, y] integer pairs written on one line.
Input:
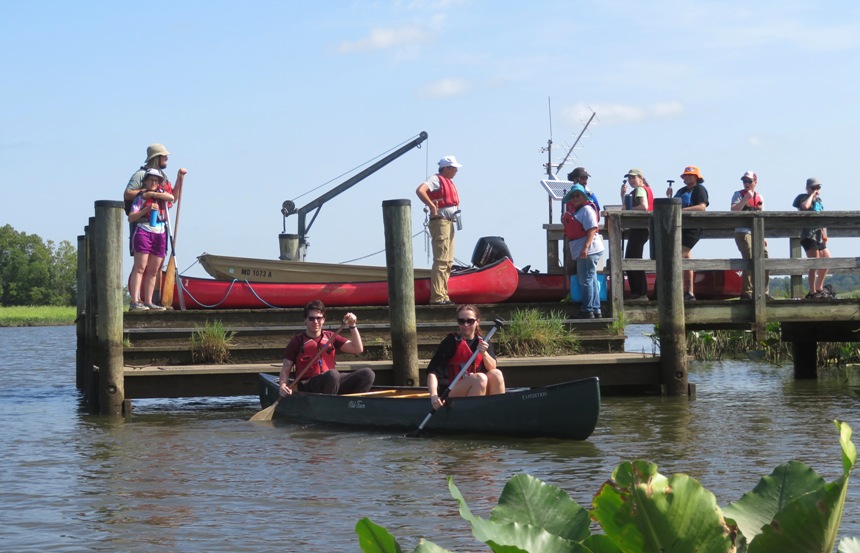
{"points": [[754, 203], [461, 355], [650, 194], [446, 195], [573, 229], [309, 350]]}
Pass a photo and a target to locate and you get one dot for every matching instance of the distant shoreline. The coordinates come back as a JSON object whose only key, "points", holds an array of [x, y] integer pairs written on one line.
{"points": [[47, 315]]}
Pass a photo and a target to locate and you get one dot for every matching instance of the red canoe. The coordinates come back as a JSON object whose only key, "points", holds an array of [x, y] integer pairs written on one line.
{"points": [[491, 284]]}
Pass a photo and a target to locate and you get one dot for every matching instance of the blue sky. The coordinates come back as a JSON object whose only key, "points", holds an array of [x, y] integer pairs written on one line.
{"points": [[265, 101]]}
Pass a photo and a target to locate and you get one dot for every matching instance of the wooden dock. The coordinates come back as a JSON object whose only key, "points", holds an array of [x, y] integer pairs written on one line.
{"points": [[136, 355], [619, 373]]}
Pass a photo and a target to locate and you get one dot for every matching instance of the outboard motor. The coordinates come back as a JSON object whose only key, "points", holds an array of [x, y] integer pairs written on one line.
{"points": [[490, 249]]}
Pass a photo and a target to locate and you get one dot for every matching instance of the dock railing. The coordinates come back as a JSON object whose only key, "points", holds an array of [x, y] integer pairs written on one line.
{"points": [[722, 224]]}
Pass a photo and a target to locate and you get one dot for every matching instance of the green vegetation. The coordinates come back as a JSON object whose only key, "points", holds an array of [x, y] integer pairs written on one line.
{"points": [[211, 344], [51, 315], [33, 272], [639, 510], [530, 332], [715, 345]]}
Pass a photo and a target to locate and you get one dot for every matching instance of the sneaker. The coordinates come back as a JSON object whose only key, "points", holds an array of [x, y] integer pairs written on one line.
{"points": [[585, 315], [638, 299], [810, 296], [822, 295], [137, 306], [689, 297], [154, 307], [597, 314], [442, 302]]}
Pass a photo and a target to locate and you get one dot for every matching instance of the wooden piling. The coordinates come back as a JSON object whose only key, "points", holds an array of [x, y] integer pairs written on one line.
{"points": [[760, 278], [109, 248], [397, 219], [670, 295], [91, 392], [805, 356], [80, 313]]}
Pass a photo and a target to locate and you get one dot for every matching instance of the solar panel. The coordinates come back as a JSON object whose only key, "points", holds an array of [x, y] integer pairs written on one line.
{"points": [[556, 188]]}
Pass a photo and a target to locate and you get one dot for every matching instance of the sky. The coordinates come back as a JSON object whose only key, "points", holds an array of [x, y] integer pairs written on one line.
{"points": [[266, 101]]}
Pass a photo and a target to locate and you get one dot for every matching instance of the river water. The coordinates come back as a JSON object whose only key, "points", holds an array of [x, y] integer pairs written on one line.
{"points": [[196, 476]]}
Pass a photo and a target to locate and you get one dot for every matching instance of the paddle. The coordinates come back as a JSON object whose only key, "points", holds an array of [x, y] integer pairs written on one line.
{"points": [[169, 280], [415, 433], [266, 414]]}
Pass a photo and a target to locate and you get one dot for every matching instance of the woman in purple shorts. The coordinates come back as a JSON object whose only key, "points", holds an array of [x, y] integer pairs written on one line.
{"points": [[150, 239]]}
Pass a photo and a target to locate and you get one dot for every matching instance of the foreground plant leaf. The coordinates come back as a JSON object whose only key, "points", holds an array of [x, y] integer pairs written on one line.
{"points": [[811, 522], [785, 484], [514, 537], [527, 500], [849, 545], [375, 539], [643, 511]]}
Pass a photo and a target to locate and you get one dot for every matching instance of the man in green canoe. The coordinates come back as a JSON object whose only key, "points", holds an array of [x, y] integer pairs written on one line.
{"points": [[311, 357]]}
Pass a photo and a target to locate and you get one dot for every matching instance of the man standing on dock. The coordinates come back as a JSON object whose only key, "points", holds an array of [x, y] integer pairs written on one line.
{"points": [[694, 197], [440, 196], [312, 355]]}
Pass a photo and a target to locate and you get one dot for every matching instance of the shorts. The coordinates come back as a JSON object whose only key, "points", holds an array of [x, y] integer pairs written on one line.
{"points": [[690, 237], [812, 244], [150, 242]]}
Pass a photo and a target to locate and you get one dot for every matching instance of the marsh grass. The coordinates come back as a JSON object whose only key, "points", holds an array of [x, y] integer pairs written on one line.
{"points": [[531, 332], [48, 315], [211, 344]]}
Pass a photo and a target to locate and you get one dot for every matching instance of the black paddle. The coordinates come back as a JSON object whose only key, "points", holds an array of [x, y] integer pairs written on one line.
{"points": [[415, 433]]}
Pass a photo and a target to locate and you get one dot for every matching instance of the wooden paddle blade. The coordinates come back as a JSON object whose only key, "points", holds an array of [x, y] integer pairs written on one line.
{"points": [[265, 414], [168, 282]]}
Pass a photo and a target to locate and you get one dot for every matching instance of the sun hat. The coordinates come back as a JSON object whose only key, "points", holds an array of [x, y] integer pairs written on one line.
{"points": [[635, 173], [449, 161], [577, 173], [153, 173], [156, 150], [692, 170], [812, 181]]}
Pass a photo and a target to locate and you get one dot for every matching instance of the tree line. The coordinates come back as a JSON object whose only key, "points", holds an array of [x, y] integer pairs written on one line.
{"points": [[34, 272]]}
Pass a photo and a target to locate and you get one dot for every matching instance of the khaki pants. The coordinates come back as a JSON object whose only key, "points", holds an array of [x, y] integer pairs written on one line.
{"points": [[744, 242], [442, 239]]}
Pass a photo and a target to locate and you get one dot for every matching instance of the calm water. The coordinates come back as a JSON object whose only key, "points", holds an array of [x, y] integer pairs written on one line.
{"points": [[195, 476]]}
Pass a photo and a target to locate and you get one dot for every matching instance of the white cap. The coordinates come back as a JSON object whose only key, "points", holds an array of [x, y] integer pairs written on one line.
{"points": [[749, 175], [449, 161], [153, 173]]}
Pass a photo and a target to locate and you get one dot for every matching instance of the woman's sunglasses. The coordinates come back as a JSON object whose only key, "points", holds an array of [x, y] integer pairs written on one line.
{"points": [[467, 322]]}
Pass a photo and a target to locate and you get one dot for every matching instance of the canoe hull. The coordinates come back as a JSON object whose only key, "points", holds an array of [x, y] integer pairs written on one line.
{"points": [[568, 410], [491, 284], [224, 267]]}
